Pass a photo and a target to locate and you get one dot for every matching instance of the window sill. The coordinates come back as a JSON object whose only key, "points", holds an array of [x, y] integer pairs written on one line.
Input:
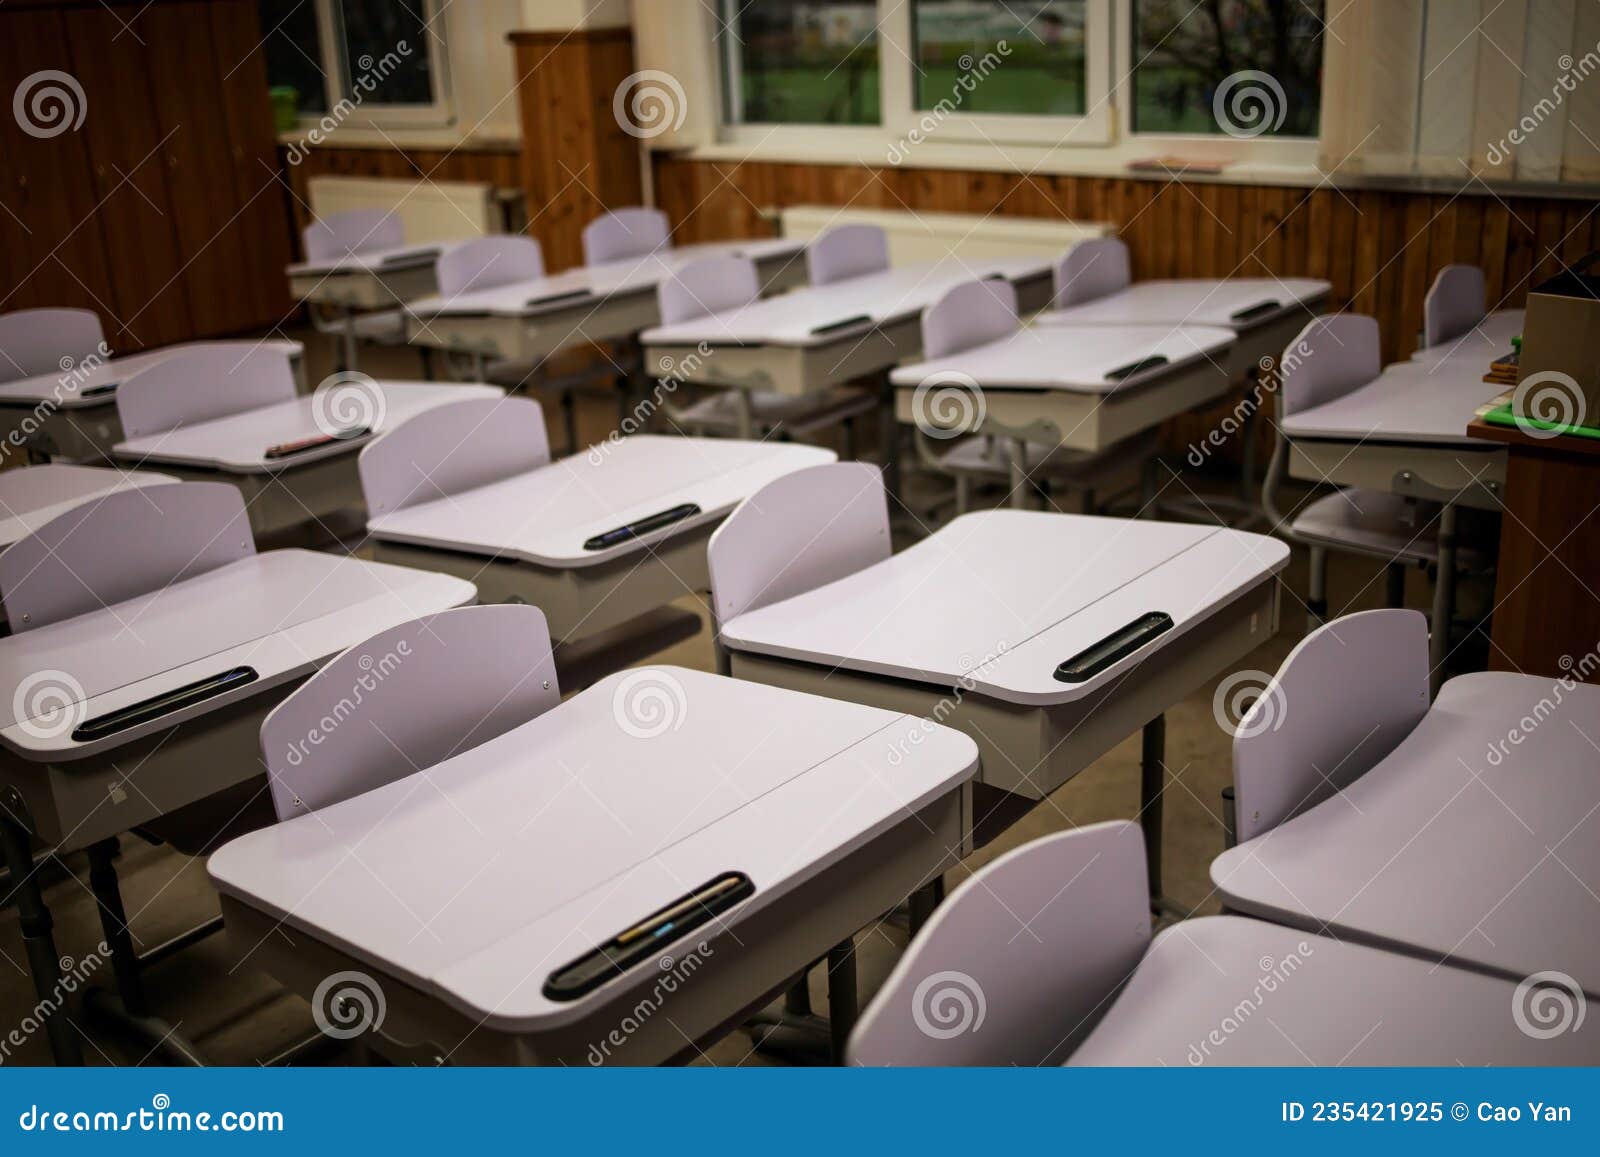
{"points": [[347, 137]]}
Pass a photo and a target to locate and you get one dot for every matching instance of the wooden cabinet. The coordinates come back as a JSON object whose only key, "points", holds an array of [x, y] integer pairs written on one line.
{"points": [[163, 211]]}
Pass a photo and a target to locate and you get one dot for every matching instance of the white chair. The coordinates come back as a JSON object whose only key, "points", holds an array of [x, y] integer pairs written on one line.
{"points": [[1299, 745], [47, 341], [407, 700], [624, 233], [1090, 270], [201, 382], [847, 251], [1331, 357], [714, 284], [795, 534], [1457, 300], [345, 234], [1022, 959], [976, 313]]}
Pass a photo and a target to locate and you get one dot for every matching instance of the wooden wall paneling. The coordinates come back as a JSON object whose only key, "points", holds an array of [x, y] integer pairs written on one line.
{"points": [[201, 178], [576, 158], [127, 146], [264, 221], [52, 250]]}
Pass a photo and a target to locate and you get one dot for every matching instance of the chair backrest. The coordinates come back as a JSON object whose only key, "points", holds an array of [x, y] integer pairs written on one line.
{"points": [[405, 700], [452, 448], [707, 285], [487, 262], [797, 533], [200, 382], [1331, 356], [1301, 743], [352, 231], [118, 547], [971, 314], [1091, 269], [38, 341], [1456, 302], [1021, 960], [847, 251], [624, 233]]}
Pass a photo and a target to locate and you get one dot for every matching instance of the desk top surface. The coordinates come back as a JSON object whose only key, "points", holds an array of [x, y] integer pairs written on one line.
{"points": [[1429, 403], [1227, 990], [590, 283], [546, 515], [33, 495], [1076, 359], [997, 600], [95, 384], [854, 306], [1476, 841], [475, 879], [238, 443], [1481, 344], [1196, 301], [373, 261], [282, 613]]}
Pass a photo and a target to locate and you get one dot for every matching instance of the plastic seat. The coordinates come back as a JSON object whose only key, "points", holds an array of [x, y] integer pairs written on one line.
{"points": [[1091, 270], [39, 341], [716, 284], [1332, 356], [1021, 961], [1456, 301], [847, 251], [624, 233]]}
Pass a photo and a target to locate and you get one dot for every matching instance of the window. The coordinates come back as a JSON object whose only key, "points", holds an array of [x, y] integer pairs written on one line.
{"points": [[806, 63], [372, 62], [1259, 74], [1041, 45]]}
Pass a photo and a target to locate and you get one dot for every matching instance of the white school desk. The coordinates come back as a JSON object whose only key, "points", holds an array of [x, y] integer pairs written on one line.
{"points": [[1083, 387], [267, 620], [528, 537], [71, 416], [1265, 312], [285, 492], [823, 335], [379, 279], [33, 495], [1475, 843], [530, 320], [1483, 343], [521, 855], [990, 604], [1225, 990]]}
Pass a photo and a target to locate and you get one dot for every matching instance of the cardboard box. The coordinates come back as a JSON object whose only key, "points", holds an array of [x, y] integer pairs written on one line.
{"points": [[1561, 335]]}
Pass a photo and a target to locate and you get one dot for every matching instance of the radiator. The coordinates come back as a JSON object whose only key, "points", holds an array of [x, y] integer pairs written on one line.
{"points": [[934, 236], [429, 210]]}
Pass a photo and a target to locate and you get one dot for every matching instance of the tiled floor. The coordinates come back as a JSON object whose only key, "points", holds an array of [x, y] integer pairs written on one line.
{"points": [[242, 1016]]}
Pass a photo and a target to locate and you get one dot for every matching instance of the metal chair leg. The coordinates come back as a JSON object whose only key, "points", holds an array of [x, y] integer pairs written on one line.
{"points": [[38, 941]]}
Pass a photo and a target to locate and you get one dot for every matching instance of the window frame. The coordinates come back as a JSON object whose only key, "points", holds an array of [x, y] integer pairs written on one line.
{"points": [[1105, 133], [438, 114]]}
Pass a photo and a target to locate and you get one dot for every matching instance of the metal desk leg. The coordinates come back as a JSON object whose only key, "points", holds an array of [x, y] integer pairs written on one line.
{"points": [[923, 902], [37, 938], [888, 437], [1444, 598], [1017, 457], [842, 1002], [1152, 784], [347, 350], [746, 415]]}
